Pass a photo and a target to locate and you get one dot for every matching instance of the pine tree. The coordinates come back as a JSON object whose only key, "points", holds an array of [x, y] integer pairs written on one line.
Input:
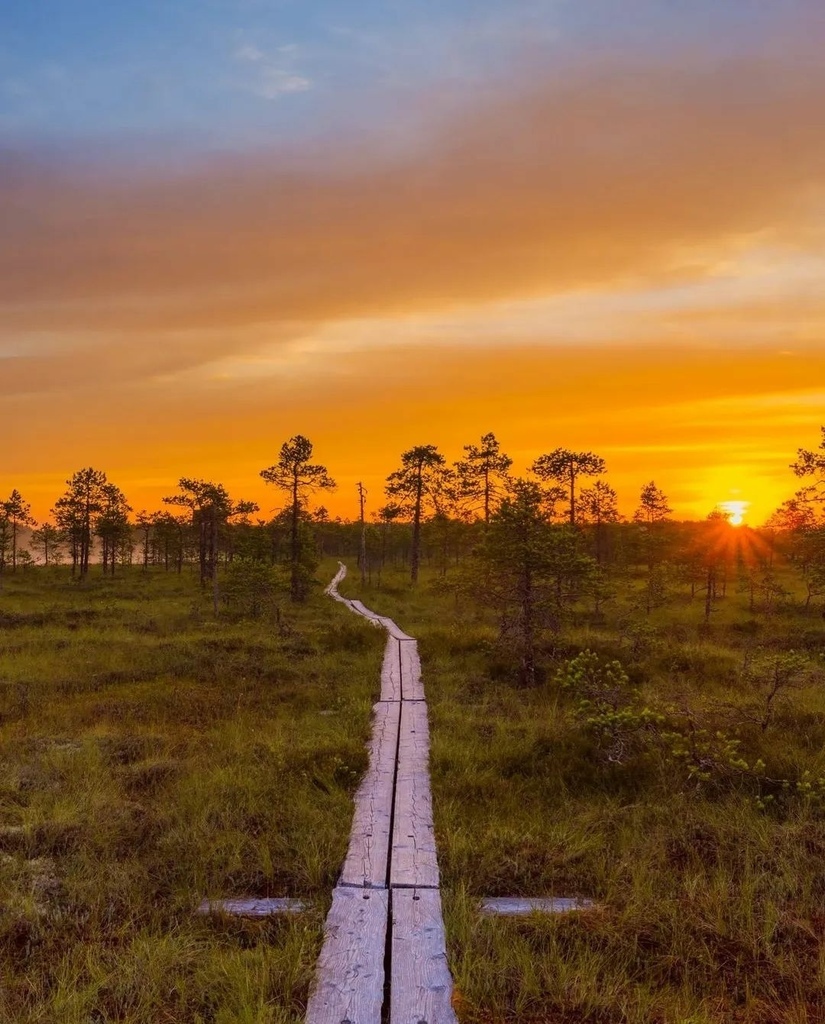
{"points": [[534, 571], [653, 512], [812, 463], [112, 525], [17, 512], [482, 474], [211, 508], [48, 539], [75, 514], [565, 467], [653, 506], [599, 505], [414, 483], [295, 474]]}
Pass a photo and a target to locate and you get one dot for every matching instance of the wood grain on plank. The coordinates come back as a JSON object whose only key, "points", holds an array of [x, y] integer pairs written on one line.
{"points": [[368, 853], [391, 672], [361, 609], [349, 980], [332, 586], [412, 687], [420, 982], [252, 907], [511, 906], [394, 631], [413, 858]]}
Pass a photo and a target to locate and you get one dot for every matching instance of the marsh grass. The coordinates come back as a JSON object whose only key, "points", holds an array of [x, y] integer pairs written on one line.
{"points": [[150, 757], [709, 904]]}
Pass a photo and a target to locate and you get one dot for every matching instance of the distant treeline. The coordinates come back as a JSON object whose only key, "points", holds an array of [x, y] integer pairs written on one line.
{"points": [[562, 520]]}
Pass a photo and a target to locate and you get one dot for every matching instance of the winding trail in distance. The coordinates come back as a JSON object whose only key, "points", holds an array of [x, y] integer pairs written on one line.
{"points": [[384, 954]]}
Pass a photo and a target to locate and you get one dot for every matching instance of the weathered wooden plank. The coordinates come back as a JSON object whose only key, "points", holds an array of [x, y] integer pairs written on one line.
{"points": [[369, 843], [351, 960], [420, 982], [341, 600], [412, 687], [332, 586], [391, 672], [349, 979], [252, 907], [413, 857], [362, 609], [394, 631], [511, 906]]}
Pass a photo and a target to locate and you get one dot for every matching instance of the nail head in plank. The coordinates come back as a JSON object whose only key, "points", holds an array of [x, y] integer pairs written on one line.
{"points": [[420, 983], [349, 980], [252, 907], [366, 860], [509, 906]]}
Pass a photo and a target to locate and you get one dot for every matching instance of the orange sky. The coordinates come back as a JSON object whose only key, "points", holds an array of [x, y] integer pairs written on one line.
{"points": [[620, 256]]}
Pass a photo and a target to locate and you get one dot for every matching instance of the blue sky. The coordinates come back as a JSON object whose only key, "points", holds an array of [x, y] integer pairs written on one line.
{"points": [[237, 73], [244, 215]]}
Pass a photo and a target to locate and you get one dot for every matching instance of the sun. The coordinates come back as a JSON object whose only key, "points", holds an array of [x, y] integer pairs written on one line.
{"points": [[735, 511]]}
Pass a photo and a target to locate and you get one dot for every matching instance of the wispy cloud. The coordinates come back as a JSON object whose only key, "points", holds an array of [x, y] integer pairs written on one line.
{"points": [[275, 82], [248, 52], [271, 74], [658, 174], [558, 229]]}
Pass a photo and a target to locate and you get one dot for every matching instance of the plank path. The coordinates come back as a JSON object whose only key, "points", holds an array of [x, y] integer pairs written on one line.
{"points": [[384, 955]]}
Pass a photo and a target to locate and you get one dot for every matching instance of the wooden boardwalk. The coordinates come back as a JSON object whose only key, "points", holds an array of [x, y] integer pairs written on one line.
{"points": [[384, 955]]}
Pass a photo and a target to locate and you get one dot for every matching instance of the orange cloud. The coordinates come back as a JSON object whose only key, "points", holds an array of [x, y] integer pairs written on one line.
{"points": [[160, 325], [575, 178], [704, 423]]}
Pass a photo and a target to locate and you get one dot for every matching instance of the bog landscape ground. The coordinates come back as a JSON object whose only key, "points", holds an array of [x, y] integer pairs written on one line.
{"points": [[595, 227], [153, 755]]}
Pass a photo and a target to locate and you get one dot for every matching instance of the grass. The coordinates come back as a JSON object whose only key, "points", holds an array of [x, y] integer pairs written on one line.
{"points": [[152, 757], [709, 899]]}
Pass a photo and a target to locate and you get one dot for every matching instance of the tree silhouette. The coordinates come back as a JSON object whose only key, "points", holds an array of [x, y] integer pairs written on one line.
{"points": [[653, 506], [599, 505], [112, 524], [446, 501], [48, 539], [482, 474], [145, 522], [295, 474], [17, 512], [170, 532], [565, 467], [75, 513], [5, 538], [516, 552], [386, 515], [413, 483], [211, 508], [534, 571], [812, 463], [653, 512]]}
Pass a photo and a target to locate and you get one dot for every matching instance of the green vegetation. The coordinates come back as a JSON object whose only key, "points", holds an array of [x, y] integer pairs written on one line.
{"points": [[673, 774], [151, 757], [631, 712]]}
